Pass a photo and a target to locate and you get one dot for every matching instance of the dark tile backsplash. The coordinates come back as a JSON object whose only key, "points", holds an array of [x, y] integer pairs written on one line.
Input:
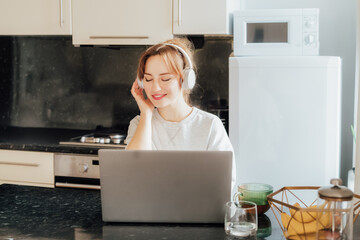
{"points": [[46, 82]]}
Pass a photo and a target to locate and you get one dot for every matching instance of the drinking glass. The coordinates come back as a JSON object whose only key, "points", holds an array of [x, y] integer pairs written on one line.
{"points": [[241, 219]]}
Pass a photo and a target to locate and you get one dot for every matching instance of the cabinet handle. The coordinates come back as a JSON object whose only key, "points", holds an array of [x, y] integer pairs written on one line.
{"points": [[61, 14], [118, 37], [20, 164], [179, 14]]}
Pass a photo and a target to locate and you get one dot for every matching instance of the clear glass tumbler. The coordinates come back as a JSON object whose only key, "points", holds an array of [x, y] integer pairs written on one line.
{"points": [[241, 219]]}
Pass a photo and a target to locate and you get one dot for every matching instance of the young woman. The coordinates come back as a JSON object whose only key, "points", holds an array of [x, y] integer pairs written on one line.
{"points": [[167, 121]]}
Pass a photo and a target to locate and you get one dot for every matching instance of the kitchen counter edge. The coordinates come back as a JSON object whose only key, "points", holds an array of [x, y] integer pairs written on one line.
{"points": [[55, 148]]}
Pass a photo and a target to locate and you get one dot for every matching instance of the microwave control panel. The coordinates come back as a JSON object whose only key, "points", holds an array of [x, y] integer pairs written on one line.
{"points": [[310, 32]]}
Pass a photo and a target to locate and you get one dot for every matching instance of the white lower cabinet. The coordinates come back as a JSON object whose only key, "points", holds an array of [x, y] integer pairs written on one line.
{"points": [[27, 168]]}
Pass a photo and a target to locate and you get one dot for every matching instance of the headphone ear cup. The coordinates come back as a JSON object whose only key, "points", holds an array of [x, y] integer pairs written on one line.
{"points": [[140, 83], [189, 79]]}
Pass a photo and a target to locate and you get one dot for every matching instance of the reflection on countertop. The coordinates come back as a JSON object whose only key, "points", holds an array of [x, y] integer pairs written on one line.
{"points": [[35, 212]]}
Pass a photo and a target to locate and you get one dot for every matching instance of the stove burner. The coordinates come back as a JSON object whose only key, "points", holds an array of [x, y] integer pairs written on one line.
{"points": [[84, 139], [98, 139], [102, 138]]}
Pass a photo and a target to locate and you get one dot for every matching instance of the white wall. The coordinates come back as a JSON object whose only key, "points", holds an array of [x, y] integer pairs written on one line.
{"points": [[337, 37]]}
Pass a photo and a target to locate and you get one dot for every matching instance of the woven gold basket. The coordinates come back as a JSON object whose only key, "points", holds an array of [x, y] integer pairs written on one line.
{"points": [[299, 200]]}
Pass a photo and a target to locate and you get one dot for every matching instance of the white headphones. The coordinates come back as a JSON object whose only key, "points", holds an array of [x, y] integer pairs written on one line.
{"points": [[188, 72]]}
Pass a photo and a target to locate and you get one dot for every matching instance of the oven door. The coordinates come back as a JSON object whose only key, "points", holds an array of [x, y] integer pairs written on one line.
{"points": [[77, 171]]}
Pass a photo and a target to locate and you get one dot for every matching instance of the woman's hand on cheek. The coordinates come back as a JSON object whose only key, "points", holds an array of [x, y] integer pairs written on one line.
{"points": [[145, 105]]}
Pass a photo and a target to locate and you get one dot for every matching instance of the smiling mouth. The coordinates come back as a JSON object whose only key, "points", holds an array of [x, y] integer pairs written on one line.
{"points": [[158, 96]]}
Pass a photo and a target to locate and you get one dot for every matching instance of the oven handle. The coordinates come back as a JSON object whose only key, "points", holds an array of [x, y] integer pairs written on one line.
{"points": [[73, 185]]}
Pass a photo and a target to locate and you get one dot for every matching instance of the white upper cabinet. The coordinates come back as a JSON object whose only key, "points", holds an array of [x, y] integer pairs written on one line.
{"points": [[203, 17], [35, 17], [112, 22]]}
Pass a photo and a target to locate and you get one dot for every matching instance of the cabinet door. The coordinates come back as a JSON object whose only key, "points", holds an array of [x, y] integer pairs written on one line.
{"points": [[27, 168], [35, 17], [109, 22], [200, 17]]}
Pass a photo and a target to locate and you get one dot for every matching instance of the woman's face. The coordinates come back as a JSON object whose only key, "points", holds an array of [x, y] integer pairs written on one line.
{"points": [[161, 86]]}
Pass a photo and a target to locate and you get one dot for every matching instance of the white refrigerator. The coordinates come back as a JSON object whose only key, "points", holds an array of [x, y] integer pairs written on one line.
{"points": [[284, 119]]}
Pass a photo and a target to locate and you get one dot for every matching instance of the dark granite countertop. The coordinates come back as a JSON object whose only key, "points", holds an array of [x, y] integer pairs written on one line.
{"points": [[43, 140], [62, 213]]}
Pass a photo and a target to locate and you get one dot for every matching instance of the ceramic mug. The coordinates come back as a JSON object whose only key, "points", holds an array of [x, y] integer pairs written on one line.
{"points": [[254, 192]]}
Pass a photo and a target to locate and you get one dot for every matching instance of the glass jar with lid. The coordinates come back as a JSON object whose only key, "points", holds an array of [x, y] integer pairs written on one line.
{"points": [[335, 212]]}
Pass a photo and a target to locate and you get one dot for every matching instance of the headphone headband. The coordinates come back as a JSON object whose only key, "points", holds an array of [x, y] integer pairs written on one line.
{"points": [[188, 59], [189, 73]]}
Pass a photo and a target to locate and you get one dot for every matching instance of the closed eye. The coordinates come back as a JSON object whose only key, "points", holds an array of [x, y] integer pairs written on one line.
{"points": [[165, 80], [148, 80]]}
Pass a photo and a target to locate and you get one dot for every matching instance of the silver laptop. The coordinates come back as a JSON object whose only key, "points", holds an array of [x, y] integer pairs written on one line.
{"points": [[164, 186]]}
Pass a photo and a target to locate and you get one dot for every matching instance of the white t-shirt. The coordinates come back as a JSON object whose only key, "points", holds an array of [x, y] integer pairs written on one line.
{"points": [[199, 131]]}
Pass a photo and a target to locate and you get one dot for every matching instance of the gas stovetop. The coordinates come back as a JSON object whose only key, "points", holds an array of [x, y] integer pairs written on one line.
{"points": [[98, 140]]}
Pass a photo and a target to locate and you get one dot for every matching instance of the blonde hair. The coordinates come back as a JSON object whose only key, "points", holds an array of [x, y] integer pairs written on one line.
{"points": [[173, 58]]}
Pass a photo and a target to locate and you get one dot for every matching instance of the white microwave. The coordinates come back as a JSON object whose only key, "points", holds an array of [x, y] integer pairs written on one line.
{"points": [[276, 32]]}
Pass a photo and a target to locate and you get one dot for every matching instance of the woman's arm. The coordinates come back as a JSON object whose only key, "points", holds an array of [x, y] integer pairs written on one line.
{"points": [[219, 140], [142, 136]]}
